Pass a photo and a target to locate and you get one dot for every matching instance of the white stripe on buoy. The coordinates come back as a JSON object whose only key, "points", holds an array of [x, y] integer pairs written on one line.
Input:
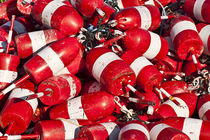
{"points": [[37, 40], [146, 19], [71, 130], [192, 128], [63, 71], [203, 109], [135, 126], [151, 2], [205, 35], [75, 109], [197, 9], [138, 64], [52, 59], [154, 47], [48, 12], [7, 76], [112, 129], [181, 26], [155, 131], [120, 4], [101, 63]]}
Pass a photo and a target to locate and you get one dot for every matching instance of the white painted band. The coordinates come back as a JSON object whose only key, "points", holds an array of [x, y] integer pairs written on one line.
{"points": [[120, 4], [63, 71], [52, 59], [94, 87], [156, 130], [192, 128], [48, 12], [75, 109], [71, 130], [182, 110], [135, 126], [37, 40], [23, 93], [73, 3], [112, 130], [197, 9], [9, 88], [203, 109], [146, 19], [138, 64], [181, 26], [7, 76], [205, 35], [9, 36], [15, 137], [101, 63], [154, 47], [72, 85], [151, 2]]}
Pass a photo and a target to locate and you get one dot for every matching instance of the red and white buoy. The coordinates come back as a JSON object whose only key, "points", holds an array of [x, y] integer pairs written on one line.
{"points": [[203, 107], [93, 106], [14, 115], [108, 131], [29, 43], [125, 4], [110, 70], [146, 43], [204, 33], [185, 38], [159, 131], [155, 3], [196, 129], [90, 87], [187, 103], [134, 130], [48, 62], [198, 9], [146, 17], [57, 15], [57, 89]]}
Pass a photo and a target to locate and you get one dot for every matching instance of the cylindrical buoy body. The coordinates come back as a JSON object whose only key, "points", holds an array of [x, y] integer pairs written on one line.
{"points": [[52, 59], [29, 43], [61, 88], [101, 131], [204, 33], [146, 43], [147, 74], [134, 130], [145, 17], [203, 107], [57, 15], [18, 112], [109, 70], [198, 9], [185, 38], [93, 106], [8, 69]]}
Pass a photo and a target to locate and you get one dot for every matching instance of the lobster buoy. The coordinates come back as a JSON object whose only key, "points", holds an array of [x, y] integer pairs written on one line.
{"points": [[159, 131], [147, 74], [186, 107], [196, 129], [134, 130], [204, 33], [146, 43], [198, 9], [57, 15], [107, 119], [155, 3], [14, 114], [29, 43], [185, 38], [146, 17], [60, 88], [65, 129], [125, 4], [8, 69], [203, 107], [87, 7], [102, 131], [90, 87], [93, 106], [110, 70]]}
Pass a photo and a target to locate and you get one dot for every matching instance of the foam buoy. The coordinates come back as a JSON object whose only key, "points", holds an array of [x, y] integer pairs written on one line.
{"points": [[203, 107]]}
